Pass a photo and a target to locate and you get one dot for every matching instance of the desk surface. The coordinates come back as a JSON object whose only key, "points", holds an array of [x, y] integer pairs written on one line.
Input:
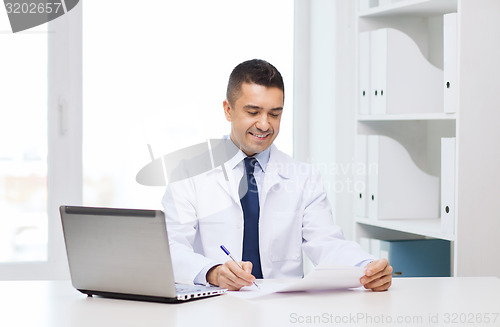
{"points": [[465, 301]]}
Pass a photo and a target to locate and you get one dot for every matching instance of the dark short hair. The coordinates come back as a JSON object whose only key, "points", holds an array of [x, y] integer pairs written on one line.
{"points": [[254, 71]]}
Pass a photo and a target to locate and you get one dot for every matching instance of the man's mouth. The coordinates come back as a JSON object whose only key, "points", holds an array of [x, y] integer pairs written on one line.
{"points": [[260, 136]]}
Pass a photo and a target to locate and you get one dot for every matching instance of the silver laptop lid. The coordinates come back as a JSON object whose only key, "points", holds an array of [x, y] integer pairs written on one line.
{"points": [[118, 250]]}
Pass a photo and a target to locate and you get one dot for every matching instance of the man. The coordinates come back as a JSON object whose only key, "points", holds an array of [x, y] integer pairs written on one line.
{"points": [[261, 204]]}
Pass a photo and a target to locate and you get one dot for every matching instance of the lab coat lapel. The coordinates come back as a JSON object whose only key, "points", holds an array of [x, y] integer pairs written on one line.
{"points": [[225, 180], [276, 172]]}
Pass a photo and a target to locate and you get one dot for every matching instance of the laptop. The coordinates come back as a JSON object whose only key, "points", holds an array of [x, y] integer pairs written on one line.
{"points": [[123, 253]]}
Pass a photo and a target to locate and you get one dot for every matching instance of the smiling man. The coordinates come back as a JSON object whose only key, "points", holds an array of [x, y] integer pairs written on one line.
{"points": [[261, 204]]}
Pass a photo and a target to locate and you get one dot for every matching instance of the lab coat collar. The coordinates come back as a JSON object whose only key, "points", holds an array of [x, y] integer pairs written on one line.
{"points": [[262, 159], [276, 169]]}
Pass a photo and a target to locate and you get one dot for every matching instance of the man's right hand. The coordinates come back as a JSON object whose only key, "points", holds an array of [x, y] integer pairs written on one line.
{"points": [[230, 276]]}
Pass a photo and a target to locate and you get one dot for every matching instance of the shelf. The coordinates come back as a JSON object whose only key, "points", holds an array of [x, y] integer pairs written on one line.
{"points": [[424, 227], [412, 8], [395, 117]]}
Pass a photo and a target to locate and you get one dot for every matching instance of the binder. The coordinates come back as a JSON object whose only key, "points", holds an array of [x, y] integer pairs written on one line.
{"points": [[364, 242], [378, 70], [367, 4], [402, 80], [397, 187], [364, 73], [450, 51], [363, 5], [360, 177], [373, 176], [448, 155], [414, 258], [375, 249], [418, 258]]}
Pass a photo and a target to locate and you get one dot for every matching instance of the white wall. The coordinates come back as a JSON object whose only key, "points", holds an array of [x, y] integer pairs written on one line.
{"points": [[478, 208], [324, 101]]}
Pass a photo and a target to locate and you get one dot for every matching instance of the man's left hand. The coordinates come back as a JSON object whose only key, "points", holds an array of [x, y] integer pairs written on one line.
{"points": [[378, 276]]}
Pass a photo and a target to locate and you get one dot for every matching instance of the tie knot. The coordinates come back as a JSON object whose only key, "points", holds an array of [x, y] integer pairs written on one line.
{"points": [[250, 164]]}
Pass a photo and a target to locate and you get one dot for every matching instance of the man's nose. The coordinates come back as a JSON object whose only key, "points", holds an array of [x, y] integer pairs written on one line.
{"points": [[263, 123]]}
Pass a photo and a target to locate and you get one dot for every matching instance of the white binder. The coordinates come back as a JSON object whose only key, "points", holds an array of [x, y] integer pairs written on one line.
{"points": [[450, 50], [366, 4], [402, 80], [398, 189], [364, 73], [375, 248], [378, 70], [448, 155], [363, 5], [372, 145], [364, 242], [360, 177]]}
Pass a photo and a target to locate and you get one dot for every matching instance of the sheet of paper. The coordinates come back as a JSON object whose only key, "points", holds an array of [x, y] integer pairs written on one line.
{"points": [[326, 277], [269, 286]]}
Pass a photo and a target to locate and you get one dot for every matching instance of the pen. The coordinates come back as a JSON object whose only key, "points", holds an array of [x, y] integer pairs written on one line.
{"points": [[226, 251]]}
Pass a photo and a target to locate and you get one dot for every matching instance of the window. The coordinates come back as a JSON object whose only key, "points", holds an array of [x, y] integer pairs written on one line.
{"points": [[23, 138], [157, 75], [40, 152], [151, 75]]}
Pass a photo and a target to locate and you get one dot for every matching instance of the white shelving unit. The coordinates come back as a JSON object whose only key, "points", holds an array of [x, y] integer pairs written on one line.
{"points": [[409, 117], [420, 8], [475, 240], [415, 228]]}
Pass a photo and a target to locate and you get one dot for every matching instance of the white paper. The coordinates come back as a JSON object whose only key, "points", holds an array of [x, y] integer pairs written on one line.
{"points": [[324, 277]]}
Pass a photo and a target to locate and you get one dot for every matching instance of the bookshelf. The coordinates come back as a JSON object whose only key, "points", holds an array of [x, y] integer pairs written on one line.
{"points": [[410, 8], [420, 30], [407, 117]]}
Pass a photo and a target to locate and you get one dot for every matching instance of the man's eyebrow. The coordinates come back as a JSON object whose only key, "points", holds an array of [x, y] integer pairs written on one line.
{"points": [[249, 107]]}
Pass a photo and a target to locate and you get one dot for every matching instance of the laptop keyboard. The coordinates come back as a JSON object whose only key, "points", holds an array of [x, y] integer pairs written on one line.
{"points": [[181, 288]]}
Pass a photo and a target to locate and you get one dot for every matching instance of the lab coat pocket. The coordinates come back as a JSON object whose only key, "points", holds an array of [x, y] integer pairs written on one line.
{"points": [[286, 241]]}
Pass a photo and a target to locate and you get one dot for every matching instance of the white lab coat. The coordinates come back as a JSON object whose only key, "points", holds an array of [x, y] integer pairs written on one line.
{"points": [[204, 212]]}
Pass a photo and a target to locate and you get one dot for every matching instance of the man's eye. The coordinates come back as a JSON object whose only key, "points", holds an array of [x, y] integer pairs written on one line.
{"points": [[275, 115], [253, 113]]}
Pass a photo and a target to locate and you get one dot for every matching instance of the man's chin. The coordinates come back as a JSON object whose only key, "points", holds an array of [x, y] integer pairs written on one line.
{"points": [[260, 148], [250, 151]]}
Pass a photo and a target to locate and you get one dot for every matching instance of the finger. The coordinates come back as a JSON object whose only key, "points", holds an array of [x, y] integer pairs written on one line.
{"points": [[376, 266], [386, 271], [225, 282], [247, 266], [237, 275], [382, 288], [378, 282], [240, 273]]}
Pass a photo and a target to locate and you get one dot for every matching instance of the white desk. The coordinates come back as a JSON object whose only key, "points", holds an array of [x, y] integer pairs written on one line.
{"points": [[419, 301]]}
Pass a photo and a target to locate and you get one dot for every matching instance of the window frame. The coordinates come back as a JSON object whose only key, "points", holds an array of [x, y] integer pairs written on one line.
{"points": [[64, 159]]}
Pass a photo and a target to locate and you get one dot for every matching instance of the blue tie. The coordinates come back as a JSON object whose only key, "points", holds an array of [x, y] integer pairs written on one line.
{"points": [[249, 197]]}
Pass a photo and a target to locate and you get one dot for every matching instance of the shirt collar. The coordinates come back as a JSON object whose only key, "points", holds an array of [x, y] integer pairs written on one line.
{"points": [[262, 157]]}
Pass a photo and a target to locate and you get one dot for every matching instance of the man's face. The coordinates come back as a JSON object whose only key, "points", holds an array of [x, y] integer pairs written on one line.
{"points": [[255, 117]]}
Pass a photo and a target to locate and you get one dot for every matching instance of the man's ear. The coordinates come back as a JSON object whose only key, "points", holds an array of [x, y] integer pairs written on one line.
{"points": [[227, 110]]}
